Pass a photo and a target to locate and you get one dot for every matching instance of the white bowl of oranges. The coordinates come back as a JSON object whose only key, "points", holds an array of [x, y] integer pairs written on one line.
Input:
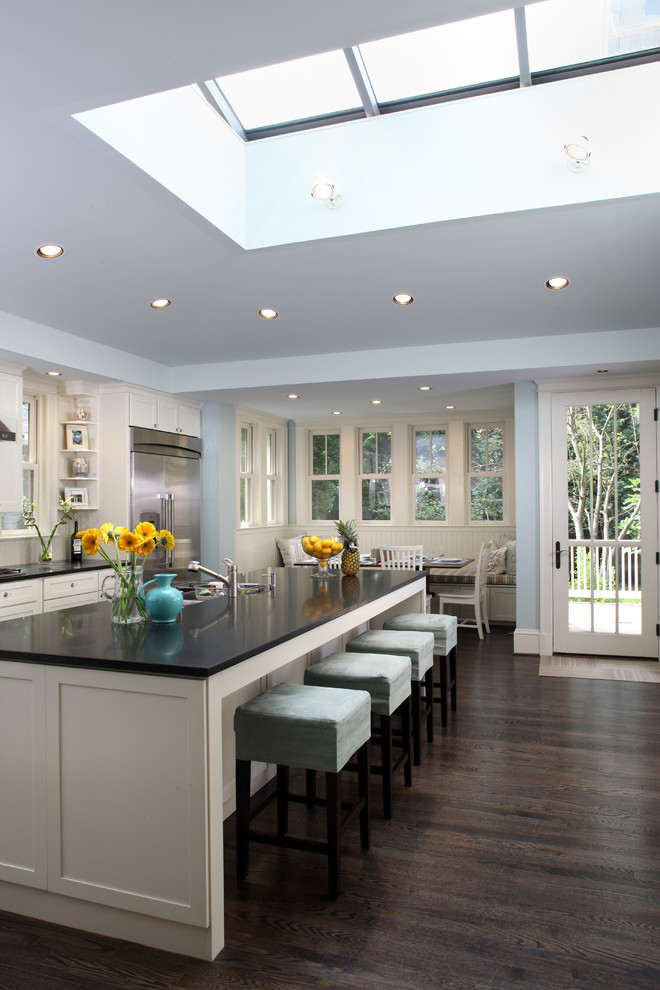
{"points": [[322, 549]]}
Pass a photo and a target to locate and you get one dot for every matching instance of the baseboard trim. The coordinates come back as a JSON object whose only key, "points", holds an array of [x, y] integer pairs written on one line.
{"points": [[527, 641]]}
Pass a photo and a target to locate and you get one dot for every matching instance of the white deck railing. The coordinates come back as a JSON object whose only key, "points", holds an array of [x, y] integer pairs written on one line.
{"points": [[593, 569]]}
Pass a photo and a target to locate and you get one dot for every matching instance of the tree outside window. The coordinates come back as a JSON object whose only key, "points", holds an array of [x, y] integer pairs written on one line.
{"points": [[325, 470], [486, 473], [376, 470], [430, 475]]}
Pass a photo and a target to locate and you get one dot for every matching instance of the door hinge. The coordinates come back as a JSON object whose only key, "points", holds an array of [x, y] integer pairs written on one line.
{"points": [[657, 630], [655, 415], [657, 487], [657, 556]]}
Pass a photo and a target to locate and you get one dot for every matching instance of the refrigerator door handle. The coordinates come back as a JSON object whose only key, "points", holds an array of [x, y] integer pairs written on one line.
{"points": [[167, 517]]}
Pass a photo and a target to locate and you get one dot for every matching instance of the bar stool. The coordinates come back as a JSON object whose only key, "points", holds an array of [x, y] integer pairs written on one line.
{"points": [[314, 728], [418, 647], [445, 634], [387, 679]]}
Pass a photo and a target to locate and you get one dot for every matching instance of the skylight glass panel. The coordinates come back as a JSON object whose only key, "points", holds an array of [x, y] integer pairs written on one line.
{"points": [[277, 94], [450, 56], [564, 32]]}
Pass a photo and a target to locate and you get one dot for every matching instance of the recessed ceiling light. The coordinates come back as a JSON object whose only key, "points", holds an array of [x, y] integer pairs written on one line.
{"points": [[556, 282], [269, 314], [376, 402], [293, 395], [402, 299], [50, 251], [450, 407], [161, 303], [336, 412], [54, 374], [603, 371], [425, 388]]}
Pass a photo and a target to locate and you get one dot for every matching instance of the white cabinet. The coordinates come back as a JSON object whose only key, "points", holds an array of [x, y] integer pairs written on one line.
{"points": [[18, 598], [11, 446], [69, 590], [166, 413], [79, 450], [22, 774]]}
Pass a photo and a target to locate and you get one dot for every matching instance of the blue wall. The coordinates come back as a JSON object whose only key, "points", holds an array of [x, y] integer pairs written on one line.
{"points": [[527, 505]]}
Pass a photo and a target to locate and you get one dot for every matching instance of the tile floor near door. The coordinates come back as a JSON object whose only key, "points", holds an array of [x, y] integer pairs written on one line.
{"points": [[525, 856]]}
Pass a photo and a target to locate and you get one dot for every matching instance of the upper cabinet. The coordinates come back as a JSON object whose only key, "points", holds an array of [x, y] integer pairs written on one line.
{"points": [[11, 441], [160, 412]]}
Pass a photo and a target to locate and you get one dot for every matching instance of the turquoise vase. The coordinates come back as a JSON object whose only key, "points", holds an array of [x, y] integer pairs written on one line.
{"points": [[163, 603]]}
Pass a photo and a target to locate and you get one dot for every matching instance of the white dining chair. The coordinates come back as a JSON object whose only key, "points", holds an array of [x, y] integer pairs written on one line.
{"points": [[409, 558], [471, 595]]}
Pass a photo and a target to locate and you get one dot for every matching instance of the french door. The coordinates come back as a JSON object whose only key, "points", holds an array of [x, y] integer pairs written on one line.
{"points": [[605, 523]]}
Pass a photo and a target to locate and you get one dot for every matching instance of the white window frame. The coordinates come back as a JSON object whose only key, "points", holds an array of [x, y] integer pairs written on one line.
{"points": [[272, 474], [31, 466], [470, 474], [322, 477], [416, 475], [375, 476], [246, 475]]}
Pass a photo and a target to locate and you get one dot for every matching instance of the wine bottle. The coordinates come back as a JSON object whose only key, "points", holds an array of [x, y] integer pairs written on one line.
{"points": [[76, 545]]}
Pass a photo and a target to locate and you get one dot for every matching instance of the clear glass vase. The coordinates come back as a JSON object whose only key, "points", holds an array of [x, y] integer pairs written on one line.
{"points": [[122, 592]]}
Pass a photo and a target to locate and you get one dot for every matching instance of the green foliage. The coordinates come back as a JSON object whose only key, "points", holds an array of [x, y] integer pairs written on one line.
{"points": [[325, 499], [486, 499]]}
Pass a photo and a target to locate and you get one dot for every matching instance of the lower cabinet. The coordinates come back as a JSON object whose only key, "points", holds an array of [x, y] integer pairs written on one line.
{"points": [[50, 594], [18, 598], [104, 798]]}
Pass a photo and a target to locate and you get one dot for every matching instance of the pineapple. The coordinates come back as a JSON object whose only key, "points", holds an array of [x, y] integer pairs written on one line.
{"points": [[350, 558]]}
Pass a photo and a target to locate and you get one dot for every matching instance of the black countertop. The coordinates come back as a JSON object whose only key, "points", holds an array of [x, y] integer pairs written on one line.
{"points": [[21, 572], [208, 636]]}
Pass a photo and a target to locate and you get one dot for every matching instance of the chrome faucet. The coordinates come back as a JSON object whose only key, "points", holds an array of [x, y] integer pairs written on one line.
{"points": [[231, 581]]}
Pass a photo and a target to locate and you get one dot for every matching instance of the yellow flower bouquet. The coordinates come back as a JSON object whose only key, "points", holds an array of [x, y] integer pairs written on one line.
{"points": [[127, 606]]}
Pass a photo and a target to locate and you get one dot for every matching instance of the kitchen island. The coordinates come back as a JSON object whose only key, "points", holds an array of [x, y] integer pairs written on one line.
{"points": [[117, 753]]}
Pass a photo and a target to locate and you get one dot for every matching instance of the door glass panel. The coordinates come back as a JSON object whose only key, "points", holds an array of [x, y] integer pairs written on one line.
{"points": [[604, 524]]}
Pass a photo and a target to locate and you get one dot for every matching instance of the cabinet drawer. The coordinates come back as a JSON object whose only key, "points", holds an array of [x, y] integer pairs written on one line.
{"points": [[70, 585], [20, 611], [55, 604], [19, 593]]}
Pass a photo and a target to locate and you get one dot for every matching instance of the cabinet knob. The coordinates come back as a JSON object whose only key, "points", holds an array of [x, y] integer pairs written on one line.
{"points": [[6, 594]]}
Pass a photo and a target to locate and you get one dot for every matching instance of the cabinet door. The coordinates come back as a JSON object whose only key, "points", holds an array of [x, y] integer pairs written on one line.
{"points": [[20, 598], [71, 586], [168, 418], [126, 760], [22, 774], [189, 421], [142, 412]]}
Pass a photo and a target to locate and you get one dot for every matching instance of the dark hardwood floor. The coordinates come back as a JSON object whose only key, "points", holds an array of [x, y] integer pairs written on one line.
{"points": [[525, 856]]}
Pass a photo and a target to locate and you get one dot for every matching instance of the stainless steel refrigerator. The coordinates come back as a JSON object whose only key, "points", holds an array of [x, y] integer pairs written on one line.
{"points": [[165, 490]]}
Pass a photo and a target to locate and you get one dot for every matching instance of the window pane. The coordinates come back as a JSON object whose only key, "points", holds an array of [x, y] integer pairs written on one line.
{"points": [[564, 32], [441, 58], [270, 453], [325, 499], [495, 449], [375, 498], [478, 460], [384, 453], [26, 456], [333, 453], [245, 490], [246, 452], [369, 445], [296, 90], [422, 450], [430, 451], [430, 501], [271, 510], [486, 498]]}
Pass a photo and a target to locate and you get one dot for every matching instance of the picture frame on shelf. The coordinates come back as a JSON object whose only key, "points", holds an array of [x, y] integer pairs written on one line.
{"points": [[77, 436], [77, 496]]}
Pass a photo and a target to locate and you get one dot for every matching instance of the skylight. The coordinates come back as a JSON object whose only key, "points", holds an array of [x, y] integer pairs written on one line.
{"points": [[447, 57], [297, 90], [563, 32], [486, 54]]}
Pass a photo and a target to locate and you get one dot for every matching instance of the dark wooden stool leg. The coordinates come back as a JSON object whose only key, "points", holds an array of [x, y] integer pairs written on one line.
{"points": [[428, 702], [282, 800], [405, 737], [443, 690], [333, 813], [243, 768], [386, 761], [416, 721], [310, 787], [452, 677], [364, 791]]}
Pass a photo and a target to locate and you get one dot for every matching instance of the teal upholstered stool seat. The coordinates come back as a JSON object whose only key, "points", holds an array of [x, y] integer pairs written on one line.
{"points": [[387, 679], [316, 728], [445, 634], [418, 647]]}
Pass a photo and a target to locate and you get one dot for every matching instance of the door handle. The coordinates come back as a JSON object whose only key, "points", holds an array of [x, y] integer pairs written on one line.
{"points": [[558, 553]]}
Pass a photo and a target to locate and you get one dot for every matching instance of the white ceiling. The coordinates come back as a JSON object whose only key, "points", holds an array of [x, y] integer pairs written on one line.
{"points": [[128, 240]]}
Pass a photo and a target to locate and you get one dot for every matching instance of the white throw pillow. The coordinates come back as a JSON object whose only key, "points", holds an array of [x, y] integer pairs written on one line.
{"points": [[496, 560]]}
